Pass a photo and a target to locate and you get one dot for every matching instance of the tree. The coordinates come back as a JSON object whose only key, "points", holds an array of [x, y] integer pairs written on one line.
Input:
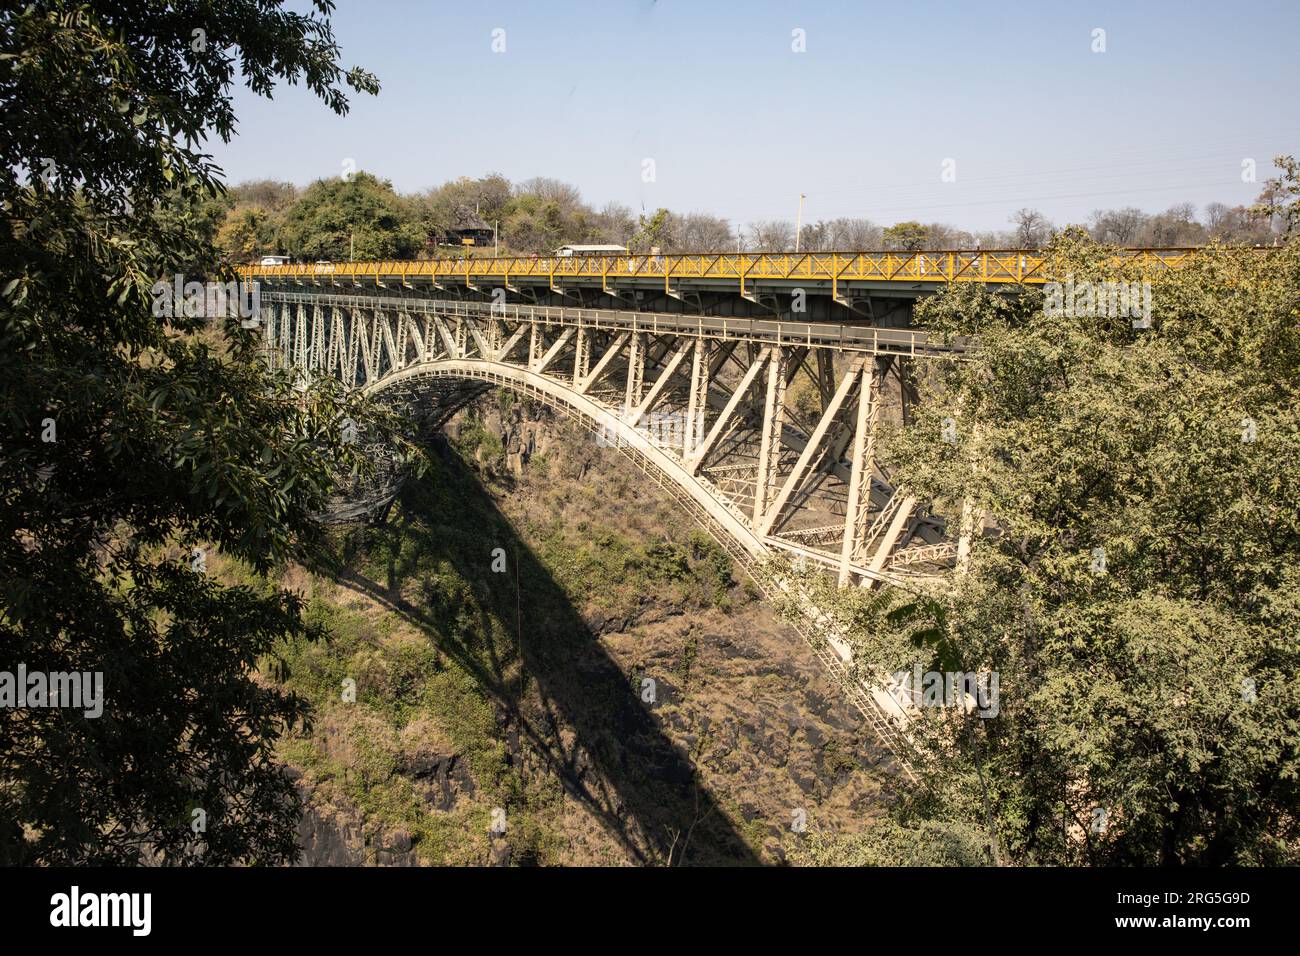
{"points": [[1279, 202], [1032, 228], [815, 237], [245, 234], [360, 217], [1236, 224], [1136, 588], [1177, 226], [613, 224], [266, 194], [564, 195], [132, 437], [458, 203], [908, 236], [853, 235], [651, 233], [771, 235], [700, 232], [1119, 227], [942, 236], [542, 214]]}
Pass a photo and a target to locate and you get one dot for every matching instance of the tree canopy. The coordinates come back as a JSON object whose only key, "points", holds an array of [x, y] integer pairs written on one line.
{"points": [[1135, 583], [359, 217], [132, 441]]}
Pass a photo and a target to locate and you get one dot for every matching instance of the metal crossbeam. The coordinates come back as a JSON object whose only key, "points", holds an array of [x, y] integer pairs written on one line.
{"points": [[800, 470]]}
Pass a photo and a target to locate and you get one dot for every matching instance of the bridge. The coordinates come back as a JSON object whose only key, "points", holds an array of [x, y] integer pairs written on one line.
{"points": [[691, 368], [833, 284]]}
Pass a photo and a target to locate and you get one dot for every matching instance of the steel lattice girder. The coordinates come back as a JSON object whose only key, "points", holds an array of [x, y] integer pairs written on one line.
{"points": [[713, 414]]}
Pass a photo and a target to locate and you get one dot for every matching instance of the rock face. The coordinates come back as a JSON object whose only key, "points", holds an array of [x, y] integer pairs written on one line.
{"points": [[334, 836], [664, 716], [765, 726]]}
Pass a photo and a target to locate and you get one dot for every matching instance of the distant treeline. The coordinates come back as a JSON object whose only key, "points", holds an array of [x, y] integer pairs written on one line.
{"points": [[363, 217]]}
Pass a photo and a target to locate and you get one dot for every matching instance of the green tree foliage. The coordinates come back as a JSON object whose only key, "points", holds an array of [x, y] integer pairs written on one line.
{"points": [[130, 438], [358, 217], [245, 235], [251, 214], [651, 231], [1137, 586], [908, 236], [886, 843], [1279, 202], [543, 214]]}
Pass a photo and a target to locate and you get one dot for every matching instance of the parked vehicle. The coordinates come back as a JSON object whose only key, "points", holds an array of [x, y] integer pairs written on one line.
{"points": [[590, 250]]}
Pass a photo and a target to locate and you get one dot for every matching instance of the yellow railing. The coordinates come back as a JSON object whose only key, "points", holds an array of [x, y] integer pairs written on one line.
{"points": [[1001, 266]]}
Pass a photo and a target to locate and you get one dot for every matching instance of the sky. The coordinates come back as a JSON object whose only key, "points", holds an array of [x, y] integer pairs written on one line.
{"points": [[943, 112]]}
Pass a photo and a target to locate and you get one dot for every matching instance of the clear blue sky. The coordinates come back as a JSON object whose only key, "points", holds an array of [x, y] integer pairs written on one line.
{"points": [[738, 124]]}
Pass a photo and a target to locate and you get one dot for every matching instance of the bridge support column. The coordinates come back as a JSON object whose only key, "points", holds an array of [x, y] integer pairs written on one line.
{"points": [[462, 338], [285, 328], [769, 452], [299, 351], [818, 446], [317, 337], [268, 332], [635, 373], [895, 530], [864, 454], [337, 344], [581, 356], [825, 376], [374, 340], [698, 402], [534, 344], [354, 345]]}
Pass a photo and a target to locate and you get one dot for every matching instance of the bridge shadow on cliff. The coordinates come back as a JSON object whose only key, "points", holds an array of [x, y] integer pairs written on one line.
{"points": [[574, 705]]}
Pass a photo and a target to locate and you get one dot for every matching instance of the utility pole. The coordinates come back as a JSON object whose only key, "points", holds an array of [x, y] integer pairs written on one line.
{"points": [[798, 223], [496, 251], [352, 246]]}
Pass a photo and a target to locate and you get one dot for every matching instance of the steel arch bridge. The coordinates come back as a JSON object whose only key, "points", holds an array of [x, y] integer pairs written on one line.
{"points": [[697, 403], [692, 378], [701, 400]]}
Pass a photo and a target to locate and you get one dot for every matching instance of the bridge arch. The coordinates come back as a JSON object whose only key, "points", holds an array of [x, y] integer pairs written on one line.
{"points": [[882, 710], [713, 514]]}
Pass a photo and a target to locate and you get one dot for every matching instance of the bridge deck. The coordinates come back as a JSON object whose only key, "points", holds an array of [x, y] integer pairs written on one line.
{"points": [[824, 271]]}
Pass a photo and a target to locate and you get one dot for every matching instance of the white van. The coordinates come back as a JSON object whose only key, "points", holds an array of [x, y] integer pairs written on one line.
{"points": [[574, 250], [275, 260]]}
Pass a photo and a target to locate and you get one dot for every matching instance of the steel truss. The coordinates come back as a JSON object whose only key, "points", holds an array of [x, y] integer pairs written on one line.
{"points": [[712, 401], [704, 409]]}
